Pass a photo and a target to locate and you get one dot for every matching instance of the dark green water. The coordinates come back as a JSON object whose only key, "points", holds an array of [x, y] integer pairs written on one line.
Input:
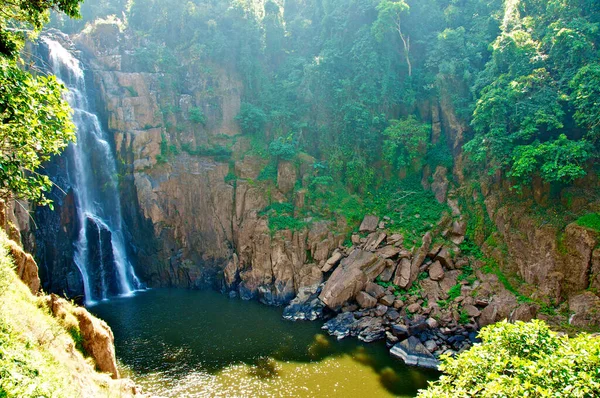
{"points": [[184, 343]]}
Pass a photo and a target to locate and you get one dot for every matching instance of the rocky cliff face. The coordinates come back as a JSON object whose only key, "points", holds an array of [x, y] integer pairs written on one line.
{"points": [[187, 222], [192, 201]]}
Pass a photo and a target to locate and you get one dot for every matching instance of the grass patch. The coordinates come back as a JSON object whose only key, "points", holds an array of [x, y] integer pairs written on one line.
{"points": [[590, 220], [36, 351]]}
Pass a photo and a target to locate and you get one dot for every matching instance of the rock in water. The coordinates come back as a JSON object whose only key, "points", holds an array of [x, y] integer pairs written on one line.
{"points": [[413, 353]]}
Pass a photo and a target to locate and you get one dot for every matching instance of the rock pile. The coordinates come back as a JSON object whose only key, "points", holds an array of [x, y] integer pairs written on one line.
{"points": [[425, 301]]}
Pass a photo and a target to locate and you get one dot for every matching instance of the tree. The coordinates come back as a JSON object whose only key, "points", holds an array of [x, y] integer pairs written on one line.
{"points": [[406, 142], [521, 360], [390, 17], [35, 121]]}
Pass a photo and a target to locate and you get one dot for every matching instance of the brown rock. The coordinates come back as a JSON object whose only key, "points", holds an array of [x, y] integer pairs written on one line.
{"points": [[402, 277], [355, 240], [414, 308], [380, 310], [436, 272], [595, 270], [445, 258], [369, 224], [25, 266], [440, 183], [333, 260], [458, 231], [98, 341], [286, 177], [586, 310], [395, 239], [231, 270], [398, 304], [419, 258], [375, 290], [350, 277], [525, 313], [365, 300], [388, 271], [388, 300], [471, 310], [374, 240], [388, 251]]}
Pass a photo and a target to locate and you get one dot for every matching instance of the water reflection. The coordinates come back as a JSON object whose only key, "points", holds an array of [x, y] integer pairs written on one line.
{"points": [[179, 343]]}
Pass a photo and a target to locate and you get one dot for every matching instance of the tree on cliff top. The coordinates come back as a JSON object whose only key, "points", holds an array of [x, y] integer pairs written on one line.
{"points": [[35, 122]]}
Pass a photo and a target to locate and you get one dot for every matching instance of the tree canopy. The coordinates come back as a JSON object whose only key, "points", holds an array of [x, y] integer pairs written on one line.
{"points": [[522, 360], [35, 121]]}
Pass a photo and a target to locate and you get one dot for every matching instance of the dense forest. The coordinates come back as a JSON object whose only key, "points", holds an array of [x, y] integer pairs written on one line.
{"points": [[346, 81]]}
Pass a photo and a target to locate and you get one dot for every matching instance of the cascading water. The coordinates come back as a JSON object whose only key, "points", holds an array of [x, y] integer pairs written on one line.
{"points": [[100, 253]]}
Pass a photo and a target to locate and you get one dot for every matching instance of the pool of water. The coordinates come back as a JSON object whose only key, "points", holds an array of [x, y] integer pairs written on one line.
{"points": [[184, 343]]}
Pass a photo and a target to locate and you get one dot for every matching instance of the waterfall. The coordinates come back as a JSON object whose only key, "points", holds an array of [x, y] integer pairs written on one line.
{"points": [[100, 253]]}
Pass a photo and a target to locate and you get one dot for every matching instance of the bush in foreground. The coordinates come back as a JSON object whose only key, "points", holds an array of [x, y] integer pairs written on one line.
{"points": [[522, 360]]}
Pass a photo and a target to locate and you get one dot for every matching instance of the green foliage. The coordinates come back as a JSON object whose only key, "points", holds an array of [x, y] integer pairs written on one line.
{"points": [[542, 67], [521, 359], [281, 216], [34, 119], [406, 142], [283, 148], [197, 116], [268, 173], [35, 125], [590, 220], [251, 118]]}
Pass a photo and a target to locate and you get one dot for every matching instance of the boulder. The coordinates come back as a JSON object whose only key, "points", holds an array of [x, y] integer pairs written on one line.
{"points": [[440, 183], [436, 272], [414, 308], [525, 313], [341, 325], [388, 271], [445, 258], [585, 308], [369, 329], [98, 341], [380, 310], [458, 231], [395, 239], [388, 251], [333, 261], [403, 271], [374, 240], [375, 290], [419, 257], [365, 300], [306, 306], [471, 310], [369, 224], [388, 300], [413, 353], [350, 277]]}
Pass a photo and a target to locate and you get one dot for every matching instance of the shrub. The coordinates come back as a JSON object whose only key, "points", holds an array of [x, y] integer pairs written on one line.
{"points": [[521, 360], [251, 118]]}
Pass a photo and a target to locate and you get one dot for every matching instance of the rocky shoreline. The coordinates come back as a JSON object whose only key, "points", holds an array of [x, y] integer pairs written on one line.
{"points": [[425, 302]]}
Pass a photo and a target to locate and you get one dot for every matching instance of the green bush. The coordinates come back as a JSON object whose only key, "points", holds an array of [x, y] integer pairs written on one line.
{"points": [[197, 116], [251, 118], [521, 360]]}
